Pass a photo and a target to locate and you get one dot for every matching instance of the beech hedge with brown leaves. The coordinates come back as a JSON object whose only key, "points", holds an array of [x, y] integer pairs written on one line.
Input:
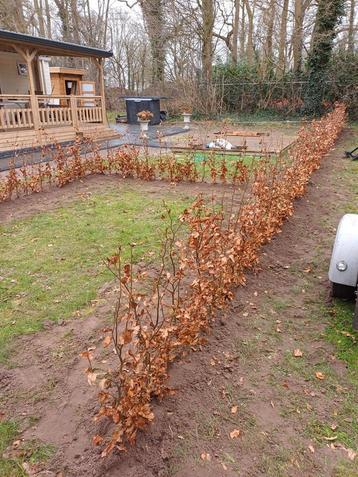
{"points": [[66, 165], [163, 313]]}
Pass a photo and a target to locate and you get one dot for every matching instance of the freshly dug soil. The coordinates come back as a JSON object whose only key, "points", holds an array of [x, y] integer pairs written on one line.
{"points": [[246, 377]]}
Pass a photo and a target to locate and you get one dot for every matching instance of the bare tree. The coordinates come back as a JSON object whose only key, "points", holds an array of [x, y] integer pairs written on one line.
{"points": [[281, 65], [351, 28]]}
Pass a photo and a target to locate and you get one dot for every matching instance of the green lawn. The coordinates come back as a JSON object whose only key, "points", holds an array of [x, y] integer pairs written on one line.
{"points": [[51, 264], [341, 334], [31, 452], [201, 160]]}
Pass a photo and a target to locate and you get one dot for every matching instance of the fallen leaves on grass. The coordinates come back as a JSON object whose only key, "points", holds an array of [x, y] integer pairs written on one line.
{"points": [[297, 353], [320, 375], [234, 410], [107, 341], [349, 335], [350, 452], [91, 378], [311, 448], [235, 433], [205, 456]]}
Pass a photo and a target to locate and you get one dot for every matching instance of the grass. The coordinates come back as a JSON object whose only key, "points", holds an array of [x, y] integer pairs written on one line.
{"points": [[51, 264], [32, 452], [341, 334], [111, 115], [201, 158], [263, 116], [323, 433]]}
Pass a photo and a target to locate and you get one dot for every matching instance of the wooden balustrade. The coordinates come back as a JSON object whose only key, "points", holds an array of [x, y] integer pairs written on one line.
{"points": [[89, 110], [17, 111]]}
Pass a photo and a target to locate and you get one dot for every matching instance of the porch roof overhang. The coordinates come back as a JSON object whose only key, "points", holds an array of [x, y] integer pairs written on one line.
{"points": [[44, 46]]}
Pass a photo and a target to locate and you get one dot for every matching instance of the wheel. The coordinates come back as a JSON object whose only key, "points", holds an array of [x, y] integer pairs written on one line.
{"points": [[355, 316], [343, 291]]}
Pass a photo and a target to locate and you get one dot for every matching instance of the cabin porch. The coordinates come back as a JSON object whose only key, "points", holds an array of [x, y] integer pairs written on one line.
{"points": [[29, 117]]}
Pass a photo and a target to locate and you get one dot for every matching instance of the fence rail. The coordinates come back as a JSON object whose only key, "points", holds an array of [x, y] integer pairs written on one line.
{"points": [[20, 111]]}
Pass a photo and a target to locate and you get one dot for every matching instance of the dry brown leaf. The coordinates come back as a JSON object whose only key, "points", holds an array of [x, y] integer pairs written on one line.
{"points": [[235, 433], [97, 440], [320, 375], [127, 336], [234, 410], [311, 448], [91, 378], [297, 353], [205, 456], [351, 454], [107, 341], [16, 444]]}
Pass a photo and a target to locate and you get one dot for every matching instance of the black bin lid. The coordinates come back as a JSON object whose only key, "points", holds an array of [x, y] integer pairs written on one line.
{"points": [[138, 99]]}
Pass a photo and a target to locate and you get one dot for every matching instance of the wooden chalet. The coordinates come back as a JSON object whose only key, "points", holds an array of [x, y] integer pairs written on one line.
{"points": [[34, 111]]}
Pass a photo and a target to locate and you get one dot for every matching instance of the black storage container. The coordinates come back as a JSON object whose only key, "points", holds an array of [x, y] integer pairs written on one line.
{"points": [[145, 103]]}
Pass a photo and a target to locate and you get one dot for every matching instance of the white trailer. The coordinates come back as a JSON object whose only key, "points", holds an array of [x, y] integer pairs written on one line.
{"points": [[343, 270]]}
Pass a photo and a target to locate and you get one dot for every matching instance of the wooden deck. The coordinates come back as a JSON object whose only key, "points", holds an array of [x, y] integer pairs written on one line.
{"points": [[11, 141]]}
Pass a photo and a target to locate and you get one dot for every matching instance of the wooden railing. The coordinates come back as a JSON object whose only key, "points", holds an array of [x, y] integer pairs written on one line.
{"points": [[15, 111], [54, 110], [18, 111], [89, 110]]}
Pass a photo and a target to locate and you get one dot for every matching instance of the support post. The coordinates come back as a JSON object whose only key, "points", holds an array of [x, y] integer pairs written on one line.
{"points": [[99, 65], [73, 105], [28, 57]]}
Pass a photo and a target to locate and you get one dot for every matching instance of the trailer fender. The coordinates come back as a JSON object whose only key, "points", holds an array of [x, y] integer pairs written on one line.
{"points": [[344, 261]]}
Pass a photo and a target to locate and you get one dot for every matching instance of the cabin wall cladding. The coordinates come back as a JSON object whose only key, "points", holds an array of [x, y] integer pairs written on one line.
{"points": [[10, 79]]}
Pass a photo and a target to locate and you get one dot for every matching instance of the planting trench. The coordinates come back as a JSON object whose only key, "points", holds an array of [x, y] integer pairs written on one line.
{"points": [[246, 367]]}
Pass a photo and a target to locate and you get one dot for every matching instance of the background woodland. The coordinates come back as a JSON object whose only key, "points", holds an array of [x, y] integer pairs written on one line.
{"points": [[216, 56]]}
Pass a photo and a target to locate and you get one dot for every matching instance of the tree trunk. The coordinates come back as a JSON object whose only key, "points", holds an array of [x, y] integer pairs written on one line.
{"points": [[281, 67], [350, 45], [62, 9], [153, 14], [39, 11], [207, 9], [297, 38], [48, 19], [328, 16], [235, 32], [268, 49], [75, 22], [250, 53], [242, 31]]}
